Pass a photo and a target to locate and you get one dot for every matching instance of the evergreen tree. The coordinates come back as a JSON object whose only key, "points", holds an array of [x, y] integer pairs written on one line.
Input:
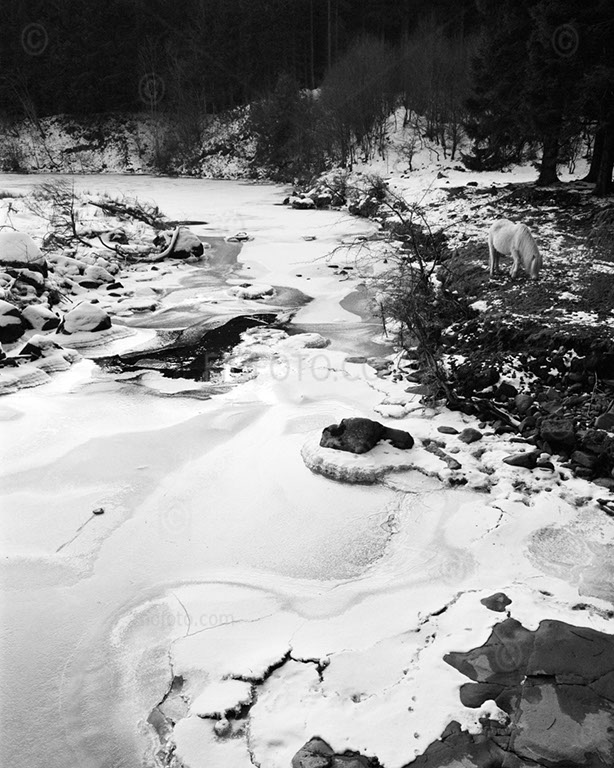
{"points": [[497, 108]]}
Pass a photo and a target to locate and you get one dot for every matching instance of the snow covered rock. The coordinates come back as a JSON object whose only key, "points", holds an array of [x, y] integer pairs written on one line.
{"points": [[48, 355], [85, 317], [66, 265], [28, 375], [302, 203], [98, 273], [18, 249], [361, 435], [12, 326], [40, 317], [249, 291], [304, 341]]}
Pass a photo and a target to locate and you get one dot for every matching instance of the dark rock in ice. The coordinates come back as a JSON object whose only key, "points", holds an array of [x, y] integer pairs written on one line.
{"points": [[358, 435], [497, 602], [552, 683], [475, 694]]}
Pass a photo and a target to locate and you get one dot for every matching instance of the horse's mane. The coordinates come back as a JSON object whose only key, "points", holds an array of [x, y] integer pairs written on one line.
{"points": [[529, 252], [526, 242]]}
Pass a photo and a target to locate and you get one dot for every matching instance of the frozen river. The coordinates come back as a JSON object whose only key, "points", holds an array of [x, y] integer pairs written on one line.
{"points": [[219, 552], [194, 491]]}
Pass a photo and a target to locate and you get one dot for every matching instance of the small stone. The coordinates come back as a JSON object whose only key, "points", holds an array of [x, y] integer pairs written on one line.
{"points": [[506, 390], [544, 464], [470, 435], [222, 727], [523, 403], [379, 363], [527, 460], [607, 505], [447, 430]]}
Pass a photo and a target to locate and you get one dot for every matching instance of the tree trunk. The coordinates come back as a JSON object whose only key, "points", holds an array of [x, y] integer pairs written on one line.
{"points": [[330, 39], [603, 185], [550, 156], [591, 176]]}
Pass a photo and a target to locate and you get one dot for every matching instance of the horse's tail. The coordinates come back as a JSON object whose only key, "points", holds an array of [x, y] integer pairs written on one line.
{"points": [[492, 256]]}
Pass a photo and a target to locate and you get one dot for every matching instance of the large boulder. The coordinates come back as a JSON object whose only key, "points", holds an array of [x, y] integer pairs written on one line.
{"points": [[40, 317], [18, 249], [360, 435], [556, 684], [85, 317], [12, 325]]}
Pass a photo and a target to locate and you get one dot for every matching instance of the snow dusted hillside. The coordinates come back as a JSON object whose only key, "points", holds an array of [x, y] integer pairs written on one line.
{"points": [[125, 144]]}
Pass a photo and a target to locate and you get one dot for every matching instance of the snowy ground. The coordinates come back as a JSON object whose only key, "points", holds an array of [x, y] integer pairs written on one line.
{"points": [[310, 606]]}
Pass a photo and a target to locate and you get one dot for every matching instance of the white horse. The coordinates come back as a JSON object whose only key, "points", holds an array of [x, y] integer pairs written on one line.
{"points": [[515, 240]]}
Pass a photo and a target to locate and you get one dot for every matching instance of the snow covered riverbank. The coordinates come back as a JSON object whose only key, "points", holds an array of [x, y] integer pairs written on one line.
{"points": [[220, 555]]}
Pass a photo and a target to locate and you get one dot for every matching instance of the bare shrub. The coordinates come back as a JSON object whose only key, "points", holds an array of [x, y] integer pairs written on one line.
{"points": [[412, 296]]}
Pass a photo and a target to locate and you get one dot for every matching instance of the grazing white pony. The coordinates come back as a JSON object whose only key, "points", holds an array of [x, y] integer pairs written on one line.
{"points": [[515, 240]]}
